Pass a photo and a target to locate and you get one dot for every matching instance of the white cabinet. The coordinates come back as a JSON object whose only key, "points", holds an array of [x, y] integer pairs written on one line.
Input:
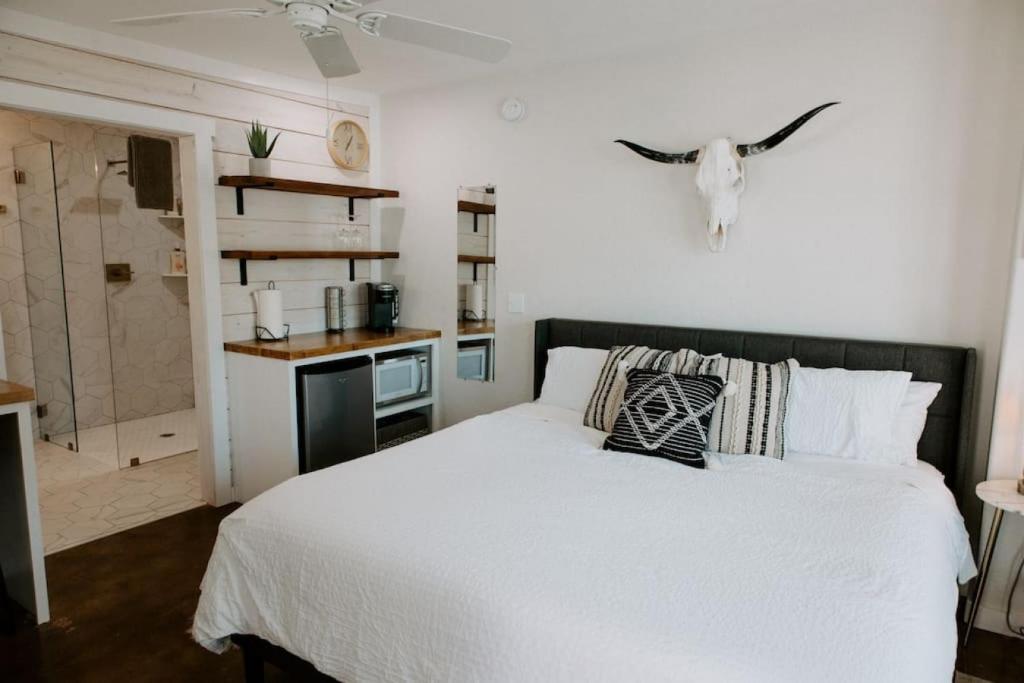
{"points": [[263, 405]]}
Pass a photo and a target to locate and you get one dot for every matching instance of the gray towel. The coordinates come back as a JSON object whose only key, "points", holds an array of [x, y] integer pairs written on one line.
{"points": [[151, 172]]}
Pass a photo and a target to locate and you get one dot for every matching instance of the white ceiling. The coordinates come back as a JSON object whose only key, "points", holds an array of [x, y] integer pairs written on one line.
{"points": [[542, 32]]}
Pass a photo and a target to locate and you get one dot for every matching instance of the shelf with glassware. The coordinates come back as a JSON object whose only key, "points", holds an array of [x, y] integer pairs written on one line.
{"points": [[351, 192], [352, 255]]}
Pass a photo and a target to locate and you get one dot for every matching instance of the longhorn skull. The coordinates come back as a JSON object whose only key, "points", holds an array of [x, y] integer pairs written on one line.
{"points": [[720, 176]]}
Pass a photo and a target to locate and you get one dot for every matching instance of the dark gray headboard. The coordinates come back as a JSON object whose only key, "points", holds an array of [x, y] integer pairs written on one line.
{"points": [[946, 442]]}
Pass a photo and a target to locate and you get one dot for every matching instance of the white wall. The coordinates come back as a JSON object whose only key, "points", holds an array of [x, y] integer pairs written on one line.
{"points": [[888, 217]]}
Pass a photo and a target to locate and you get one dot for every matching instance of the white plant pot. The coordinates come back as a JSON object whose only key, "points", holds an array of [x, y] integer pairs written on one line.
{"points": [[259, 167]]}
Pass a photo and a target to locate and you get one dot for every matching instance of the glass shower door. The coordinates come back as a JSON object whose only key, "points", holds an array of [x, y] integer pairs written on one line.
{"points": [[44, 284]]}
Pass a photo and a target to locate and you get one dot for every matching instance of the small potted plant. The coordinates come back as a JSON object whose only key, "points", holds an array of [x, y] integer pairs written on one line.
{"points": [[257, 136]]}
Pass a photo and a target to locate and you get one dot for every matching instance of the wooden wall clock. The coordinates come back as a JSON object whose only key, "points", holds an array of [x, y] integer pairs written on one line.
{"points": [[348, 145]]}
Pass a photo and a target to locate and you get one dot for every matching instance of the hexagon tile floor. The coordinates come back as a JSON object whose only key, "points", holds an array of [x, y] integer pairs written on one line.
{"points": [[82, 498]]}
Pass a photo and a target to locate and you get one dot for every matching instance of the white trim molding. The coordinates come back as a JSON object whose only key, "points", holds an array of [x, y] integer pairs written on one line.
{"points": [[98, 42]]}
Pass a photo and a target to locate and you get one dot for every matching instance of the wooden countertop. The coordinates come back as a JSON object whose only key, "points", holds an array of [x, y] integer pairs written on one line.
{"points": [[476, 327], [314, 344], [14, 393]]}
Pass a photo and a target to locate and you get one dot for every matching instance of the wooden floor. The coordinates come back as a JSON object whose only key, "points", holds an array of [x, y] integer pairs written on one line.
{"points": [[122, 607]]}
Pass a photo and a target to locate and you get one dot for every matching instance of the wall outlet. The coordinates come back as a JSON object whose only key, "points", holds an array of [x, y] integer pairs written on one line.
{"points": [[517, 303]]}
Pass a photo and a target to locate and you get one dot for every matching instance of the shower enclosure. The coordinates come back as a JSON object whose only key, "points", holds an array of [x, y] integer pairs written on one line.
{"points": [[109, 322], [44, 284]]}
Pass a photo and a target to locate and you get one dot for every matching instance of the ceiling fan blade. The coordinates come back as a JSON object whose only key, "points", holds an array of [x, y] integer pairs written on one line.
{"points": [[332, 54], [436, 36], [156, 19]]}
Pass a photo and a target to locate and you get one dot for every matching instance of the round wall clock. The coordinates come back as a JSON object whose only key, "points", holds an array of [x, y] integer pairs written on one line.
{"points": [[348, 145]]}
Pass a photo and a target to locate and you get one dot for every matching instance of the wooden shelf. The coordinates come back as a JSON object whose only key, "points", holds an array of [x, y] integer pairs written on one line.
{"points": [[476, 261], [469, 258], [245, 255], [171, 219], [273, 255], [253, 182], [313, 344], [476, 207]]}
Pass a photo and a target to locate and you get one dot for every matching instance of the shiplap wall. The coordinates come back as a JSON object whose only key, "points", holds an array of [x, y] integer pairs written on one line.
{"points": [[272, 219]]}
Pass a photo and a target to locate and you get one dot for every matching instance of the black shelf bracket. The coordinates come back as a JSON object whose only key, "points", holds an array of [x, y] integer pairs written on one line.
{"points": [[474, 270], [243, 270], [239, 202], [351, 208], [351, 270], [475, 217]]}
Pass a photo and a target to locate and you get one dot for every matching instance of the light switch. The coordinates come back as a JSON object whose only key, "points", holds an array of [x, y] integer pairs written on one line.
{"points": [[516, 303]]}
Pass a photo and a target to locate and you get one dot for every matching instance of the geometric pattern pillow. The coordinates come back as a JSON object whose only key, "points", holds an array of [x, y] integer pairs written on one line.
{"points": [[608, 393], [665, 415], [752, 420]]}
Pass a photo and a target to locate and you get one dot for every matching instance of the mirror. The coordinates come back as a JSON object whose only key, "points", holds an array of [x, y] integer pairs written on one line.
{"points": [[475, 291]]}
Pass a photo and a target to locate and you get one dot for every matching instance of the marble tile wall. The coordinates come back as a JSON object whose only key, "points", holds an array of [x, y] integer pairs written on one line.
{"points": [[150, 336], [130, 342]]}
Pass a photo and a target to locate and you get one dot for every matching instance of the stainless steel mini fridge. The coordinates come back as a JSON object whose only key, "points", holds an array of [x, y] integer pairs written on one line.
{"points": [[336, 420]]}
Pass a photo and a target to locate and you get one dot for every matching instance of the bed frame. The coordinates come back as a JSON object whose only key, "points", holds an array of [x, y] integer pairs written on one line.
{"points": [[945, 443]]}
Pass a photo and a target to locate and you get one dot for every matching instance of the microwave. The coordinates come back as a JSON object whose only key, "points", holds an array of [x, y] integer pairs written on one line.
{"points": [[402, 376], [474, 361]]}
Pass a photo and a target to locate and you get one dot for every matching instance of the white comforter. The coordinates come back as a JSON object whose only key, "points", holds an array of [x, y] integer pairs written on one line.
{"points": [[510, 548]]}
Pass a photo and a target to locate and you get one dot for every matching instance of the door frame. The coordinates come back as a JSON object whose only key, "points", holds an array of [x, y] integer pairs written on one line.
{"points": [[195, 143]]}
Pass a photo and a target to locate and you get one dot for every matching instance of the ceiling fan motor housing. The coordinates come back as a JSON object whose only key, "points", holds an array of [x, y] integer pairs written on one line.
{"points": [[307, 17]]}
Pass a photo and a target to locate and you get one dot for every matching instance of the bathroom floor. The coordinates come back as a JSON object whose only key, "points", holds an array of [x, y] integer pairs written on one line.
{"points": [[93, 493], [82, 499], [145, 439]]}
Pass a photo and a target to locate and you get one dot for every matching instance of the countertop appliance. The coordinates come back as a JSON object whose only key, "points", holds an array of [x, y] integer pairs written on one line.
{"points": [[474, 360], [381, 306], [336, 417], [403, 376]]}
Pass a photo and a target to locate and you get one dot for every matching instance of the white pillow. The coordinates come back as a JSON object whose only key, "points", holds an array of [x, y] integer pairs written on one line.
{"points": [[845, 413], [910, 418], [571, 376]]}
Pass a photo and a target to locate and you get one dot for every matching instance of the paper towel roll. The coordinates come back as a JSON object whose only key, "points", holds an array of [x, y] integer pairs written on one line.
{"points": [[475, 301], [270, 311]]}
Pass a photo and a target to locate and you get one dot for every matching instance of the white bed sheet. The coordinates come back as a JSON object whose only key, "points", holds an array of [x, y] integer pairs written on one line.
{"points": [[510, 548]]}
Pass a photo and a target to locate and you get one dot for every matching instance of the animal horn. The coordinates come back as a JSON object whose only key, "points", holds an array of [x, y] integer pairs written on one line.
{"points": [[774, 139], [663, 157]]}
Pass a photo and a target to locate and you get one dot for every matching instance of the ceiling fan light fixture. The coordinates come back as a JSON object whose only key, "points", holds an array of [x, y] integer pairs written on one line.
{"points": [[307, 17]]}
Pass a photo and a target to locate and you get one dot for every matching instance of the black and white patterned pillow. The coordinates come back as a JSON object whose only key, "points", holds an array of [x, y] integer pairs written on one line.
{"points": [[665, 415], [606, 398], [751, 420]]}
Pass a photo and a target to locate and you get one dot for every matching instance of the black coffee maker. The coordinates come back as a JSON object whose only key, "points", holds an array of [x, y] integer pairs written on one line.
{"points": [[381, 306]]}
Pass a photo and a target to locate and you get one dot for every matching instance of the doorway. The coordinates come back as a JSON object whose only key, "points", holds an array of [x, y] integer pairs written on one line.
{"points": [[99, 325]]}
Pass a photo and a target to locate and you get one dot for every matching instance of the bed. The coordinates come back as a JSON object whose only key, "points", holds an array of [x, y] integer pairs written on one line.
{"points": [[510, 547]]}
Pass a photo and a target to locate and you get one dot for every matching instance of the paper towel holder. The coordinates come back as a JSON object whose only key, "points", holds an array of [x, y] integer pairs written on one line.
{"points": [[263, 334]]}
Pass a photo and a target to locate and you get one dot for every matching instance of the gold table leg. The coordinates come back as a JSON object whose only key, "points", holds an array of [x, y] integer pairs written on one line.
{"points": [[986, 560]]}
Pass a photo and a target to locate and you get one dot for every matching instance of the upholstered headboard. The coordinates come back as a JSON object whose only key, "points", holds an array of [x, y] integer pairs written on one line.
{"points": [[946, 442]]}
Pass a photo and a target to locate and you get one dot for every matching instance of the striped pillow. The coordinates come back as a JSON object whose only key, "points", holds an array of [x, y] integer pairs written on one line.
{"points": [[752, 420], [611, 383]]}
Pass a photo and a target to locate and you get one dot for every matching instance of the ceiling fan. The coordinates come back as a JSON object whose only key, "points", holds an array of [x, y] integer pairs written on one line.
{"points": [[327, 45]]}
